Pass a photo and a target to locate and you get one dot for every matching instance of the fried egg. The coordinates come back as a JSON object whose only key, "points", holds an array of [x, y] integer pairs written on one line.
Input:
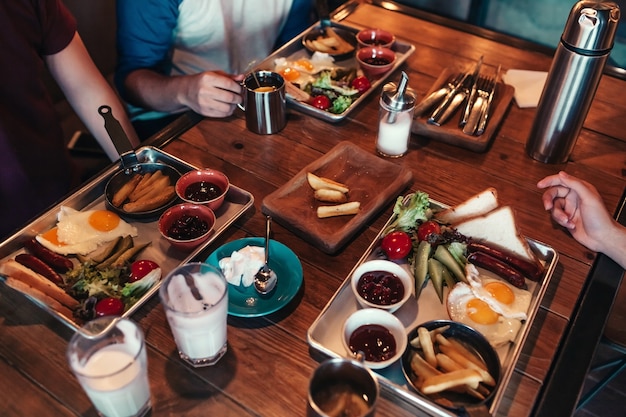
{"points": [[493, 307], [81, 232], [301, 71]]}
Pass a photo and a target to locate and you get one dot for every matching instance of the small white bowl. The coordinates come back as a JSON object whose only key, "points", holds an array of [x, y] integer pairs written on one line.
{"points": [[373, 316], [382, 265]]}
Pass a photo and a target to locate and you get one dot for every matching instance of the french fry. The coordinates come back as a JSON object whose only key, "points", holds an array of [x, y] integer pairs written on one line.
{"points": [[448, 365], [458, 357], [454, 344], [330, 196], [151, 203], [122, 194], [427, 346], [415, 342], [157, 179], [319, 183], [444, 381], [344, 209]]}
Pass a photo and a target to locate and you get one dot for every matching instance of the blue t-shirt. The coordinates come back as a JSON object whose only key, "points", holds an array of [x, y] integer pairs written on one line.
{"points": [[180, 37]]}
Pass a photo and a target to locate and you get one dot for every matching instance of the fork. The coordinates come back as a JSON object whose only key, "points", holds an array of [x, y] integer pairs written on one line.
{"points": [[485, 113]]}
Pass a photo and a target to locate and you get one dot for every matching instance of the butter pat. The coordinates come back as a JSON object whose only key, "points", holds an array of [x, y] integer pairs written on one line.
{"points": [[241, 267]]}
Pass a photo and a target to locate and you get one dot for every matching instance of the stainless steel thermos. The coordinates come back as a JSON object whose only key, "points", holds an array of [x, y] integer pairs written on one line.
{"points": [[572, 80]]}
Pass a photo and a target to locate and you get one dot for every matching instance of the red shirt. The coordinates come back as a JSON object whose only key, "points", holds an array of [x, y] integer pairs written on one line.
{"points": [[35, 168]]}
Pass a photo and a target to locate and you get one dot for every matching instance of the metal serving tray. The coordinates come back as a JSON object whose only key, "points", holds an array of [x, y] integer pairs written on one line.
{"points": [[325, 334], [91, 196], [295, 50]]}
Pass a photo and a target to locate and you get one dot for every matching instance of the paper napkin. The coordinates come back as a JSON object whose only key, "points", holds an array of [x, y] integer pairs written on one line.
{"points": [[528, 86]]}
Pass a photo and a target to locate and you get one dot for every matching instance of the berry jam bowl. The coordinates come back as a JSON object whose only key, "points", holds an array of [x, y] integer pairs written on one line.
{"points": [[375, 61], [203, 186], [381, 284], [377, 335], [186, 226]]}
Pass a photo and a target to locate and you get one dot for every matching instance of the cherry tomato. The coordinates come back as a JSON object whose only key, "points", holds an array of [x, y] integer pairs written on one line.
{"points": [[361, 83], [140, 269], [109, 306], [321, 102], [396, 244], [426, 229]]}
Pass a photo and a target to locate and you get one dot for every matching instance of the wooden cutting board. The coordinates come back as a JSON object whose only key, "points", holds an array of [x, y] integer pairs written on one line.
{"points": [[451, 133], [373, 181]]}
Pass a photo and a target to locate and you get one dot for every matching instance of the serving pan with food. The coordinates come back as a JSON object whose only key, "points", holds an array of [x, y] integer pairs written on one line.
{"points": [[470, 267], [324, 81], [82, 258]]}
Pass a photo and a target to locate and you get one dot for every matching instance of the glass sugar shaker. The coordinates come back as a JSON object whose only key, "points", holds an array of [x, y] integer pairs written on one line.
{"points": [[395, 118]]}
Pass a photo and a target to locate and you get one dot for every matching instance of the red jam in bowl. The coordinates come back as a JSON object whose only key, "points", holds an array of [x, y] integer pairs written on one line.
{"points": [[375, 341], [380, 287], [202, 191], [187, 227]]}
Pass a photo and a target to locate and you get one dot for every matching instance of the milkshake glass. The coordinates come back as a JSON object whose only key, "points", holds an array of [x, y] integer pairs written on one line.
{"points": [[112, 366], [195, 299]]}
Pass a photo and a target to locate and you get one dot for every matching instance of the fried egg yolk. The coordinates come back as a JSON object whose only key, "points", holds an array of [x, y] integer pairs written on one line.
{"points": [[104, 220], [290, 74], [479, 311]]}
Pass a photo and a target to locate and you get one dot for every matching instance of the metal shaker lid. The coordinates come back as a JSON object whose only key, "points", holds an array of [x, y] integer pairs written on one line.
{"points": [[400, 97], [591, 25]]}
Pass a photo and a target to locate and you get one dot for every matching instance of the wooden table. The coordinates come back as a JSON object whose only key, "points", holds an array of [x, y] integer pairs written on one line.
{"points": [[268, 364]]}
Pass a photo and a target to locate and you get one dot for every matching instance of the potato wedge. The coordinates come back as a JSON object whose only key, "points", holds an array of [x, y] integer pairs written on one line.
{"points": [[330, 196], [345, 209], [319, 183]]}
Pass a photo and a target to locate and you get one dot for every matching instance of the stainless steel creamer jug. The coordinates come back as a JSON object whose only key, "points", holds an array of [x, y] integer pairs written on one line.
{"points": [[572, 80]]}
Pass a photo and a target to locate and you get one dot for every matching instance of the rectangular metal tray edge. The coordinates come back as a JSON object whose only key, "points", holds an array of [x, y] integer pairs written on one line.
{"points": [[386, 377], [91, 195]]}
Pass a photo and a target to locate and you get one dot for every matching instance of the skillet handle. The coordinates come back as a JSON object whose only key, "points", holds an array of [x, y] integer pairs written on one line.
{"points": [[119, 138]]}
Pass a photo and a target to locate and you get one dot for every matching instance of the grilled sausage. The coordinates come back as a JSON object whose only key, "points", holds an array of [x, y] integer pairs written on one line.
{"points": [[498, 267], [58, 262], [532, 270], [39, 266]]}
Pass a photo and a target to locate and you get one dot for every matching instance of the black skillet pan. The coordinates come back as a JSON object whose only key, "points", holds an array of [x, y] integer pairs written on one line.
{"points": [[130, 166], [463, 404], [327, 29]]}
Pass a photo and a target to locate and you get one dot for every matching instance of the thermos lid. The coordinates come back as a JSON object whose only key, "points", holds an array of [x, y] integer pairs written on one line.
{"points": [[398, 98], [591, 25]]}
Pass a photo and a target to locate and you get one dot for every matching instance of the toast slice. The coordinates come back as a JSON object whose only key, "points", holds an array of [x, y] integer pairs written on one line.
{"points": [[499, 228], [478, 205]]}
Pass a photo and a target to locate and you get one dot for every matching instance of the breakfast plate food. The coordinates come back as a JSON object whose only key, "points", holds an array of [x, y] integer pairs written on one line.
{"points": [[243, 300], [443, 289], [338, 77], [105, 257]]}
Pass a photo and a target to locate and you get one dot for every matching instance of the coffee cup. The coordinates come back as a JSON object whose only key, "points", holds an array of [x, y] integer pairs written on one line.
{"points": [[342, 384], [264, 102]]}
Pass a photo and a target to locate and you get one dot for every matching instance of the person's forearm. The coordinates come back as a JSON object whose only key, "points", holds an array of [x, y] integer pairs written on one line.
{"points": [[86, 90], [615, 244], [147, 88]]}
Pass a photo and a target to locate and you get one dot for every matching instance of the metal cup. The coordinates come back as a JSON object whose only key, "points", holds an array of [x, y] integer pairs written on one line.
{"points": [[342, 384], [264, 102]]}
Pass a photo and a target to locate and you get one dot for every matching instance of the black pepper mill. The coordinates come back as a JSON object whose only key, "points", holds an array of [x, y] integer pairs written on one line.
{"points": [[572, 80]]}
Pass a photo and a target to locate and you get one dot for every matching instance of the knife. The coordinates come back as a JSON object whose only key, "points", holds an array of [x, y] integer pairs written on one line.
{"points": [[472, 95], [437, 113], [436, 96], [452, 106], [485, 115]]}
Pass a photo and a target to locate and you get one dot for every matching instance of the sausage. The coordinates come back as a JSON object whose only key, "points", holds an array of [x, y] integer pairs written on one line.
{"points": [[498, 267], [532, 270], [39, 266], [58, 262]]}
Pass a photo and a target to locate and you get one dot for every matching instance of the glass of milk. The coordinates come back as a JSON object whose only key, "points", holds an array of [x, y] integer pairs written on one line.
{"points": [[195, 299], [112, 366]]}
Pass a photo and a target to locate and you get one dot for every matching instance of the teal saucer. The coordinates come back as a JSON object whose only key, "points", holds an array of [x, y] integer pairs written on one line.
{"points": [[245, 301]]}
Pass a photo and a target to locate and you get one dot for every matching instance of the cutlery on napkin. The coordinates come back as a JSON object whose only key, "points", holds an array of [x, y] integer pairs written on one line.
{"points": [[528, 86]]}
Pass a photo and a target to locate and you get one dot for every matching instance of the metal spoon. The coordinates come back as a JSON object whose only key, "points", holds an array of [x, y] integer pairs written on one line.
{"points": [[265, 279]]}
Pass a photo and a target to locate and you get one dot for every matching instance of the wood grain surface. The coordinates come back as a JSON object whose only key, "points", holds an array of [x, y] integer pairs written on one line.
{"points": [[270, 354]]}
